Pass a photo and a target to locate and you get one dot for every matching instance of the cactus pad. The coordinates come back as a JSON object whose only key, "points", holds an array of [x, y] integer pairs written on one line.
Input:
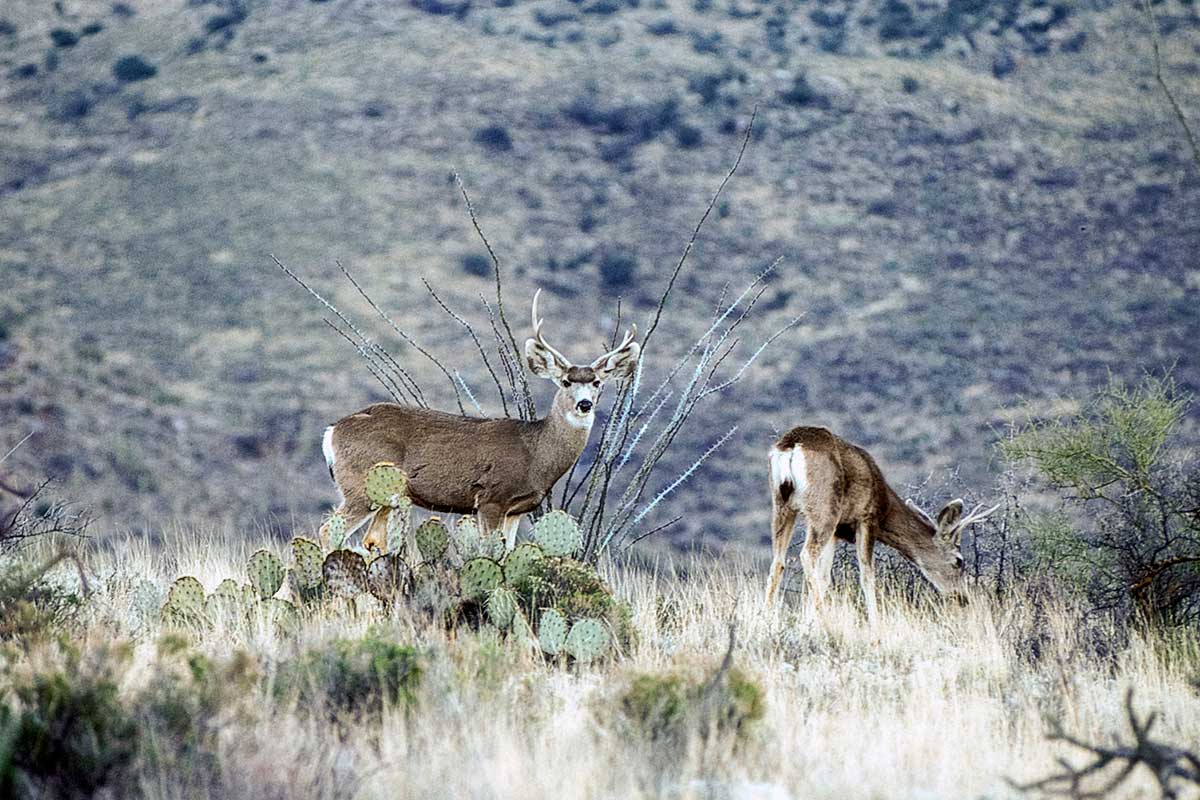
{"points": [[335, 528], [386, 484], [501, 607], [479, 576], [588, 640], [552, 631], [228, 587], [492, 545], [345, 573], [281, 613], [432, 539], [397, 528], [388, 576], [467, 539], [265, 573], [224, 609], [185, 603], [558, 534], [520, 562], [306, 571]]}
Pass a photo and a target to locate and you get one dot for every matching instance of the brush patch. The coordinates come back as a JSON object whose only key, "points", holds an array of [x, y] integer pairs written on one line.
{"points": [[327, 449]]}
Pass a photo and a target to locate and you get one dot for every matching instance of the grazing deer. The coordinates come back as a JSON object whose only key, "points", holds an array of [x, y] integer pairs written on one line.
{"points": [[843, 495], [497, 468]]}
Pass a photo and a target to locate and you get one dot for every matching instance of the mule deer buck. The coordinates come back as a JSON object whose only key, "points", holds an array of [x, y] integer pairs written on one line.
{"points": [[843, 495], [498, 468]]}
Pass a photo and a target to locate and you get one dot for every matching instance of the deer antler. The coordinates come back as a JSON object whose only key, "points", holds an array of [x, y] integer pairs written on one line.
{"points": [[630, 335], [563, 361], [976, 515]]}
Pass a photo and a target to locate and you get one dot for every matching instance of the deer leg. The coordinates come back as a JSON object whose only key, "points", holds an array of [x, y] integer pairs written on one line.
{"points": [[783, 526], [354, 513], [864, 545], [491, 517], [817, 560], [510, 526], [376, 536]]}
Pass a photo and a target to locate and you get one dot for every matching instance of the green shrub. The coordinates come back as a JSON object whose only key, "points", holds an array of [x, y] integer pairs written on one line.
{"points": [[354, 677], [133, 68], [670, 708], [1126, 532], [577, 591], [180, 710], [69, 733]]}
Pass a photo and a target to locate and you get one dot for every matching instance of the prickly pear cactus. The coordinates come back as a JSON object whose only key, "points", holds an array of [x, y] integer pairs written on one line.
{"points": [[306, 567], [558, 534], [432, 539], [335, 526], [587, 640], [501, 607], [552, 631], [478, 577], [224, 607], [345, 573], [520, 562], [397, 528], [492, 545], [386, 485], [280, 613], [467, 540], [265, 573], [185, 603], [388, 577]]}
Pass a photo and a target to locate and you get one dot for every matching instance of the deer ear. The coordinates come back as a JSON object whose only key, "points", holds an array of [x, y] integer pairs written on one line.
{"points": [[541, 361], [618, 364], [949, 515]]}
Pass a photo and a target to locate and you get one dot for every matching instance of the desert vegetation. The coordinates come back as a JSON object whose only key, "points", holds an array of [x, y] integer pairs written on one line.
{"points": [[265, 671], [960, 235]]}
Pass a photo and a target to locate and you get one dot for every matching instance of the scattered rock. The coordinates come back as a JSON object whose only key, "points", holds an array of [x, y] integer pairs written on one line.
{"points": [[64, 38]]}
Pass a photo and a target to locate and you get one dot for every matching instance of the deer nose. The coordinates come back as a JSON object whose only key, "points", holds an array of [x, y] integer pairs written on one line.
{"points": [[584, 406]]}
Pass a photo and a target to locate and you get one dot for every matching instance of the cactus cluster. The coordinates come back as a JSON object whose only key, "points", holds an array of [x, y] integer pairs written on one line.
{"points": [[187, 606], [459, 573]]}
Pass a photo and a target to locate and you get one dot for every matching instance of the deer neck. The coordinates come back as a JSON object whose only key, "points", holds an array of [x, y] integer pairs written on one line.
{"points": [[914, 538], [558, 444]]}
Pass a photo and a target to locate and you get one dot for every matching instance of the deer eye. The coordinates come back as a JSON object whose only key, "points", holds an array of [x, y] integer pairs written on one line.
{"points": [[596, 384], [566, 384]]}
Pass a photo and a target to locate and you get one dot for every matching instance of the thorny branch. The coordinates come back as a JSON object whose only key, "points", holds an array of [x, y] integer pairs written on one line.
{"points": [[1173, 768]]}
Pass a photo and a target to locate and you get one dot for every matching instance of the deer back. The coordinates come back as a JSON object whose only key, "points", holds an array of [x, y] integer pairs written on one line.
{"points": [[454, 463]]}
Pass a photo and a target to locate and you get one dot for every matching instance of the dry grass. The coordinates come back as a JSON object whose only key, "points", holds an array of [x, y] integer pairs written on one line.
{"points": [[946, 702]]}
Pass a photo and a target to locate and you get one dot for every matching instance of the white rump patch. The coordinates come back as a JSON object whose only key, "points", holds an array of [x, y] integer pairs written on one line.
{"points": [[788, 466], [327, 448]]}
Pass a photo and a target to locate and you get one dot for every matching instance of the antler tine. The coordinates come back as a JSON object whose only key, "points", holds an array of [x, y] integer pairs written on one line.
{"points": [[537, 333], [977, 515]]}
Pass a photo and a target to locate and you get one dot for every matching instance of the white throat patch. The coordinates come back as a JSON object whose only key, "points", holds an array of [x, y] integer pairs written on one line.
{"points": [[580, 420]]}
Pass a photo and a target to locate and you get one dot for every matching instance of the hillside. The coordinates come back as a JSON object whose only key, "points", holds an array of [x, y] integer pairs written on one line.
{"points": [[976, 205]]}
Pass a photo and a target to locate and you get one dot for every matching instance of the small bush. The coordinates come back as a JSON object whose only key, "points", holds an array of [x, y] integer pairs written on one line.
{"points": [[1127, 533], [669, 709], [64, 38], [495, 138], [354, 677], [476, 264], [133, 68], [688, 136], [617, 269], [71, 736], [576, 590]]}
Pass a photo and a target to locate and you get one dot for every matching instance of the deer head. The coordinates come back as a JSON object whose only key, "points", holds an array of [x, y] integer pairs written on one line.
{"points": [[578, 386], [943, 565]]}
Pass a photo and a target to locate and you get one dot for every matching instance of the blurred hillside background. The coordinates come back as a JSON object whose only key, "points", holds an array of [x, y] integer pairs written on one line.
{"points": [[978, 204]]}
